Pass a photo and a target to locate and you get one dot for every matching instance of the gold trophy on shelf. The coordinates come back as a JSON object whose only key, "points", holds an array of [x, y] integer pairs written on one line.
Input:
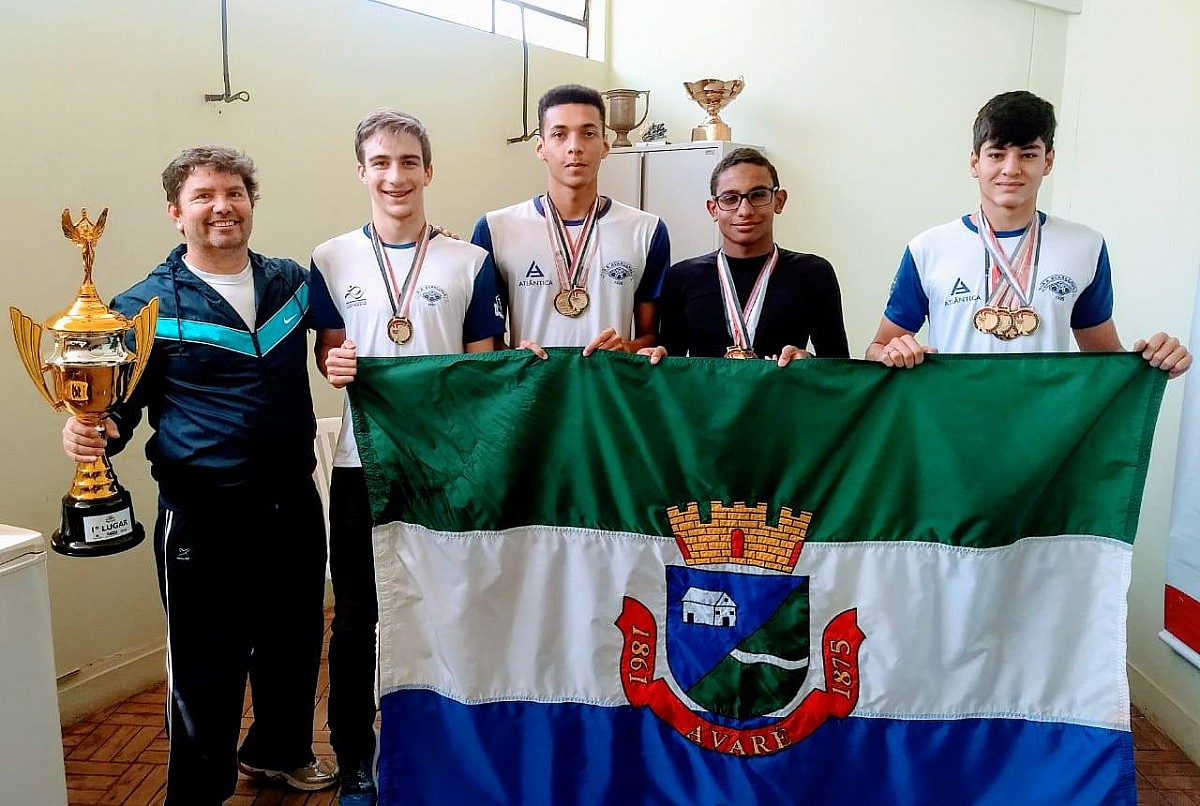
{"points": [[713, 95], [92, 373], [622, 112]]}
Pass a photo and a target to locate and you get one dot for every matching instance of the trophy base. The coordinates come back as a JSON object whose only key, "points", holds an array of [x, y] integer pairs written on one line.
{"points": [[712, 131], [97, 528]]}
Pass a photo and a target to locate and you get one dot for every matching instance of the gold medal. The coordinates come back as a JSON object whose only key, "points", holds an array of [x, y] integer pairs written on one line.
{"points": [[1011, 279], [1026, 321], [986, 319], [739, 353], [571, 258], [579, 299], [400, 329], [1004, 323], [562, 304]]}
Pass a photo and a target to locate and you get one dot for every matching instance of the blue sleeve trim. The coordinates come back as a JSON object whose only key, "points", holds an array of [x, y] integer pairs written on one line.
{"points": [[325, 315], [482, 236], [907, 305], [658, 258], [1095, 303], [485, 314]]}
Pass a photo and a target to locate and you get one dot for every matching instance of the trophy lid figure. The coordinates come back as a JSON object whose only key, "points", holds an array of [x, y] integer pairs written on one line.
{"points": [[88, 314]]}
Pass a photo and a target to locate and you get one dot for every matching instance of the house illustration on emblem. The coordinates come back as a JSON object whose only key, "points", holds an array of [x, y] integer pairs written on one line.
{"points": [[714, 608]]}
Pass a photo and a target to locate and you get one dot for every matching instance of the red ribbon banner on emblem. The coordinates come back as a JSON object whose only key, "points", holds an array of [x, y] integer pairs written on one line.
{"points": [[839, 649]]}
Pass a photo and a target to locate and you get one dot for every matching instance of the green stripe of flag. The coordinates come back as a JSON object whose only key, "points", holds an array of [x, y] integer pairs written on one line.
{"points": [[969, 451]]}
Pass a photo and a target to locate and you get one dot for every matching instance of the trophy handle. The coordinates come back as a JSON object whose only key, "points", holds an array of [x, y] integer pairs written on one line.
{"points": [[647, 112], [28, 335], [143, 330]]}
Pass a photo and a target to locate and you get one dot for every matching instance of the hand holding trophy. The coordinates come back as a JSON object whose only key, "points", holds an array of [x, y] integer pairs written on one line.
{"points": [[92, 373]]}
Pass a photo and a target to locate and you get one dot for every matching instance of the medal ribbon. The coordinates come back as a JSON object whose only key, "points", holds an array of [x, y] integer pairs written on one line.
{"points": [[1015, 278], [742, 322], [570, 257], [405, 293]]}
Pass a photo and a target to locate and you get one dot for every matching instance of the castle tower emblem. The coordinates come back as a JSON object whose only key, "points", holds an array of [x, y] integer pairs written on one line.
{"points": [[737, 644]]}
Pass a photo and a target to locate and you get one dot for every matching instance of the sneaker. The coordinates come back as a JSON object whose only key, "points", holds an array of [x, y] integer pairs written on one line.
{"points": [[317, 774], [358, 787]]}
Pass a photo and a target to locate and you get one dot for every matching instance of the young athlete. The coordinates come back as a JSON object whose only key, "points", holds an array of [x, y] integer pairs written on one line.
{"points": [[750, 298], [1007, 278], [576, 269], [392, 287]]}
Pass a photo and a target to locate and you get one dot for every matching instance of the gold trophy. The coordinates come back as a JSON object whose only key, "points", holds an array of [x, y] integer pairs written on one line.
{"points": [[714, 96], [93, 372], [622, 112]]}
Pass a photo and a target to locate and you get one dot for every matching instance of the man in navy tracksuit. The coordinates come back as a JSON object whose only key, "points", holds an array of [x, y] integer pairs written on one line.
{"points": [[239, 540]]}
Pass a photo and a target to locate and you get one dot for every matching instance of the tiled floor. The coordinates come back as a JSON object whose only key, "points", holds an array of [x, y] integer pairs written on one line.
{"points": [[118, 756], [1165, 776]]}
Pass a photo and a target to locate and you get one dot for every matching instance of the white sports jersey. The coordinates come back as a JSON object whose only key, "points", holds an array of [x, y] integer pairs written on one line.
{"points": [[942, 276], [631, 254], [455, 303]]}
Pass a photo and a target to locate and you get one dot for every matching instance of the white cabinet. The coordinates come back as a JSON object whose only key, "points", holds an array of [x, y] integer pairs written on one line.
{"points": [[31, 752], [671, 181]]}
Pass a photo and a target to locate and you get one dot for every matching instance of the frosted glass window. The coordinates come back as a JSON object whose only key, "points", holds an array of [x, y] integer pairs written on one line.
{"points": [[558, 24]]}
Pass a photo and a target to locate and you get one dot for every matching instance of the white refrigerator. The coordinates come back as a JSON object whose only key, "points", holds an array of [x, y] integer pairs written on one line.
{"points": [[31, 752], [670, 180]]}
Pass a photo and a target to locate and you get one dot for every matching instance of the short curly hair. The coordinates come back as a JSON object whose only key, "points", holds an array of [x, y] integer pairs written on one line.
{"points": [[220, 158], [569, 94]]}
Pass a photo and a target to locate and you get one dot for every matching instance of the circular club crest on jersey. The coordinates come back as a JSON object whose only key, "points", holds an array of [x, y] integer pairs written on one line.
{"points": [[1060, 285], [431, 294], [619, 271]]}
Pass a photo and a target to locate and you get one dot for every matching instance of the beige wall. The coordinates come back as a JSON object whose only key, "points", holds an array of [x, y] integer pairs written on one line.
{"points": [[1131, 168], [101, 95]]}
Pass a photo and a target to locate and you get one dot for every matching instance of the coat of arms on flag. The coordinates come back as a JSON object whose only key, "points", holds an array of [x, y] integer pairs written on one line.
{"points": [[738, 643]]}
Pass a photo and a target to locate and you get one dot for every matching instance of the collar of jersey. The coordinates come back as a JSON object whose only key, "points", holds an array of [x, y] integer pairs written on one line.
{"points": [[1008, 233], [605, 206]]}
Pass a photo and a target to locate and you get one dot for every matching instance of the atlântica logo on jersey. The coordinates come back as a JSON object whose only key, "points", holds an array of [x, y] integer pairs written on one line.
{"points": [[534, 276], [961, 293], [737, 644]]}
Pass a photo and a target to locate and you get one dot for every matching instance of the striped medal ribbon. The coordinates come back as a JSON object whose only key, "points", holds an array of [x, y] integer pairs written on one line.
{"points": [[571, 257], [400, 327], [1009, 312], [742, 322]]}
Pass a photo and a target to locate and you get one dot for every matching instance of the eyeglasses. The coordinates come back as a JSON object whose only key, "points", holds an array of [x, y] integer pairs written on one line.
{"points": [[759, 197]]}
